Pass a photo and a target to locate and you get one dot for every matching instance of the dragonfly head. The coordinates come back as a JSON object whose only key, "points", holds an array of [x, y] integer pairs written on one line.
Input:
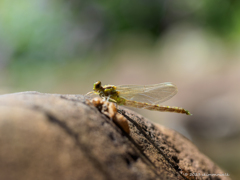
{"points": [[97, 86]]}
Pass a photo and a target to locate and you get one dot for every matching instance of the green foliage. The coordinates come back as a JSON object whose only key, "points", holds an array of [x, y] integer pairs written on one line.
{"points": [[220, 15], [35, 30], [54, 31]]}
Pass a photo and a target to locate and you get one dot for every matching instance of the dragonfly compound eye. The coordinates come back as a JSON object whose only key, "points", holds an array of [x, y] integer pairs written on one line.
{"points": [[97, 85]]}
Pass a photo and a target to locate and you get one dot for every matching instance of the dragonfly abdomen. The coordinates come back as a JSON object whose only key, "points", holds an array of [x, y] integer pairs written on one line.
{"points": [[156, 107]]}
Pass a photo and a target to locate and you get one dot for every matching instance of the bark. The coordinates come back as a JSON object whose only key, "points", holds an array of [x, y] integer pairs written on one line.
{"points": [[51, 136]]}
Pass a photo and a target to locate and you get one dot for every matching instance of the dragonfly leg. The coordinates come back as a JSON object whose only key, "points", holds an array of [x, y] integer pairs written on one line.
{"points": [[109, 99], [112, 100], [105, 98], [90, 93]]}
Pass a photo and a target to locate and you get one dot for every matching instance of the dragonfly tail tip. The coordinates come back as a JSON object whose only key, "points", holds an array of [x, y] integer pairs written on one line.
{"points": [[188, 113]]}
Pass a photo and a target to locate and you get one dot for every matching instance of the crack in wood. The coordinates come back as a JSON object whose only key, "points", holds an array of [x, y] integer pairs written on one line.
{"points": [[173, 165]]}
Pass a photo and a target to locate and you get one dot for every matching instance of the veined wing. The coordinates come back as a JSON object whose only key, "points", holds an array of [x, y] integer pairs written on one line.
{"points": [[153, 94]]}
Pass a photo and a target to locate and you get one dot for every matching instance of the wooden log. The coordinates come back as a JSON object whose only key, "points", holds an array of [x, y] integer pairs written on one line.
{"points": [[52, 136]]}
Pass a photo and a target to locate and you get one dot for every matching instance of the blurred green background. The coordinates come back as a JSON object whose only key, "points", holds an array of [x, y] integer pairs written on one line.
{"points": [[65, 46]]}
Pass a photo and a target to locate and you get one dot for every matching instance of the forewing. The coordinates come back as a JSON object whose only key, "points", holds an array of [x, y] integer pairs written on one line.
{"points": [[153, 94]]}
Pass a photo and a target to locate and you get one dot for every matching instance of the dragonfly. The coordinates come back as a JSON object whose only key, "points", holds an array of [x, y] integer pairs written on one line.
{"points": [[139, 96]]}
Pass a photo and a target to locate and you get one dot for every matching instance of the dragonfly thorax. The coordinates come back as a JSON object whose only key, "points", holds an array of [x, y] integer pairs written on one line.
{"points": [[110, 90]]}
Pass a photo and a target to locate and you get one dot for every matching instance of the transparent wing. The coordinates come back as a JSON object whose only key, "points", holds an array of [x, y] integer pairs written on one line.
{"points": [[153, 94]]}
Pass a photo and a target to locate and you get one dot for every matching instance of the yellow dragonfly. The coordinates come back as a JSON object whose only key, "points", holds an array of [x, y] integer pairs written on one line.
{"points": [[138, 96]]}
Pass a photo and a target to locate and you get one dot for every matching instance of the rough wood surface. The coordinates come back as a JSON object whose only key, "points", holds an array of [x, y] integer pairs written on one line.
{"points": [[51, 136]]}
